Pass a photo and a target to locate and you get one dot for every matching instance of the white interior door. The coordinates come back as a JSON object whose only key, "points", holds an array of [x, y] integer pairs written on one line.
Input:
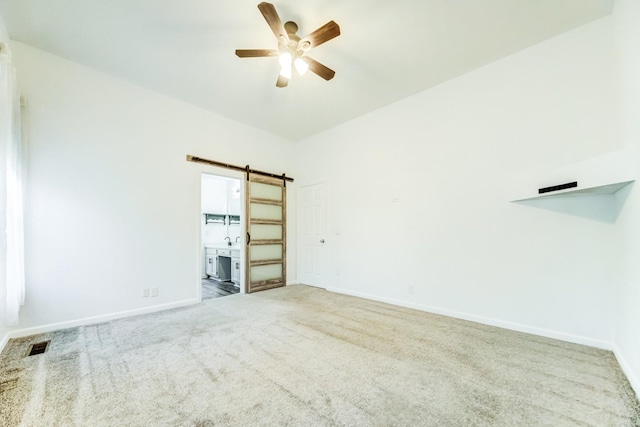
{"points": [[311, 232]]}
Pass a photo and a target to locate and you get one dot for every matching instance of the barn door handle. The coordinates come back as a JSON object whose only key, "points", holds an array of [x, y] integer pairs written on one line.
{"points": [[248, 238]]}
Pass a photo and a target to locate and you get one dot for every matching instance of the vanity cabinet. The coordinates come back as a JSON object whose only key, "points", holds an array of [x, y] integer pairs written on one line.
{"points": [[222, 264], [235, 267], [211, 263]]}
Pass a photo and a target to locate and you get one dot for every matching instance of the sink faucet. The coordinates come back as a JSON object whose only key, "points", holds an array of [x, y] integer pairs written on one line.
{"points": [[228, 239], [237, 239]]}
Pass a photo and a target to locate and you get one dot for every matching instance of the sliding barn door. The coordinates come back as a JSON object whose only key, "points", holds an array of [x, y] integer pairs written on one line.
{"points": [[266, 203]]}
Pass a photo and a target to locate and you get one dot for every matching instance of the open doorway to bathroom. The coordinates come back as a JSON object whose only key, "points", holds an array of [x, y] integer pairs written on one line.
{"points": [[221, 225]]}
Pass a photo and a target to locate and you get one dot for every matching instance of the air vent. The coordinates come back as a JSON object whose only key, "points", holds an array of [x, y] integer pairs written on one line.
{"points": [[38, 348]]}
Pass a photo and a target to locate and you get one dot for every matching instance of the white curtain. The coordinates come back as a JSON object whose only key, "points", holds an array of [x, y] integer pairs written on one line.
{"points": [[14, 229]]}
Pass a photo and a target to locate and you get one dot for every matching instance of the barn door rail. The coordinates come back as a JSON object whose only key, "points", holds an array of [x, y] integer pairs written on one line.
{"points": [[245, 169]]}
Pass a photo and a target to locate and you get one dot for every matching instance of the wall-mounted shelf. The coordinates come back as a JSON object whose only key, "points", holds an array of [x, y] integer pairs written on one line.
{"points": [[214, 218], [602, 175], [574, 192], [221, 219]]}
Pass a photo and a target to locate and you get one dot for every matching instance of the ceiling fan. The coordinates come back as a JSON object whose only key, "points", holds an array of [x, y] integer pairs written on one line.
{"points": [[292, 48]]}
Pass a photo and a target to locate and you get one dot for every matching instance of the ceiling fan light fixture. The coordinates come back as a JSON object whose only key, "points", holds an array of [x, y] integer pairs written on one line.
{"points": [[285, 71], [285, 59], [305, 46], [301, 66]]}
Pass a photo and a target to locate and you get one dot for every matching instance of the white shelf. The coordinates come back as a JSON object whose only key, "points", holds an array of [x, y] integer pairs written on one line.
{"points": [[574, 192], [602, 175]]}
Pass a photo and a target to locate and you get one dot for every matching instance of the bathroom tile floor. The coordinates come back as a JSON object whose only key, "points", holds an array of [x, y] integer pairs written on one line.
{"points": [[212, 288]]}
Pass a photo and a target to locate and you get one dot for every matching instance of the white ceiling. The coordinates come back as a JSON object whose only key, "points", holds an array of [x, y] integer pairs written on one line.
{"points": [[387, 50]]}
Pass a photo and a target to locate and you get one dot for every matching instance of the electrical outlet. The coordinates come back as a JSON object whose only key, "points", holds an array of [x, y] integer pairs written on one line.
{"points": [[145, 293], [154, 292], [412, 289]]}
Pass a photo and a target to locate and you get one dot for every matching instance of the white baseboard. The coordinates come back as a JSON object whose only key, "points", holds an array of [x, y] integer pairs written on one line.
{"points": [[4, 340], [19, 333], [633, 378], [576, 339]]}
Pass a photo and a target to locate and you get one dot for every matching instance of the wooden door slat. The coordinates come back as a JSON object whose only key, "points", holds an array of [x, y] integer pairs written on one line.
{"points": [[267, 221], [266, 202], [267, 242], [267, 262]]}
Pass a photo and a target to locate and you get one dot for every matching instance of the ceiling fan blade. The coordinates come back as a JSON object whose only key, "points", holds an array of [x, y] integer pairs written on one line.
{"points": [[255, 53], [282, 81], [323, 34], [271, 16], [321, 70]]}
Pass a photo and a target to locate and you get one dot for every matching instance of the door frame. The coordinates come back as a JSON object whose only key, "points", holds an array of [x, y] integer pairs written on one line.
{"points": [[223, 173]]}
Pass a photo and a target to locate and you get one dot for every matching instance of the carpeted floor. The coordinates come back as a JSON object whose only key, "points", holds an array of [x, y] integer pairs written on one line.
{"points": [[303, 356]]}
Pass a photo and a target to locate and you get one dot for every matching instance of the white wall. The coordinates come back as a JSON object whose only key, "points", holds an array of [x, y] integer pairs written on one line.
{"points": [[107, 171], [626, 16], [417, 194], [4, 126], [219, 197], [214, 194]]}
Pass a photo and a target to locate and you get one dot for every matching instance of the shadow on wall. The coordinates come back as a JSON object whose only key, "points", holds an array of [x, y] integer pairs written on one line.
{"points": [[601, 208]]}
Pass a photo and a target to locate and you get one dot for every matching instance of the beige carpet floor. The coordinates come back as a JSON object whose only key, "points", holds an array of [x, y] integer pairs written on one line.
{"points": [[302, 356]]}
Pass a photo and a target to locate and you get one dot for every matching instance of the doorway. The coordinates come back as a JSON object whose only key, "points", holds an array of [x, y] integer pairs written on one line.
{"points": [[222, 216]]}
